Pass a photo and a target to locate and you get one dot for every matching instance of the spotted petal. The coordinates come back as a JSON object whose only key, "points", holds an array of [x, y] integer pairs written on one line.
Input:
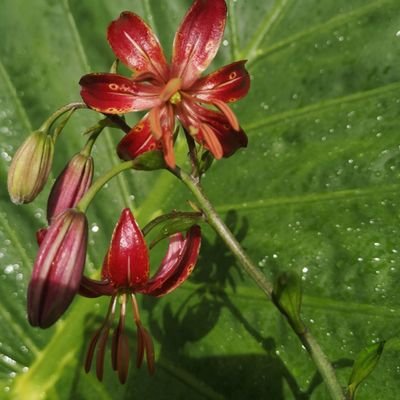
{"points": [[135, 44], [228, 84], [197, 40], [115, 94], [138, 141], [177, 264], [127, 261]]}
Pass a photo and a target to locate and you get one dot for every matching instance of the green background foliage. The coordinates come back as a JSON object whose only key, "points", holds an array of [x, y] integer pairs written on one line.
{"points": [[315, 192]]}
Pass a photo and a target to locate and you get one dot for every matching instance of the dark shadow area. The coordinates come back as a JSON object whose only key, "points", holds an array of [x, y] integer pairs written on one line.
{"points": [[217, 266], [233, 377]]}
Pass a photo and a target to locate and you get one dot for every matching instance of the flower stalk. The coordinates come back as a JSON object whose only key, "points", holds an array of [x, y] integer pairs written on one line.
{"points": [[70, 107], [100, 182]]}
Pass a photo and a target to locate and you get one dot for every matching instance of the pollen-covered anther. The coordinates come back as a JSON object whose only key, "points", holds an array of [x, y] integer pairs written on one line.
{"points": [[193, 130], [176, 98]]}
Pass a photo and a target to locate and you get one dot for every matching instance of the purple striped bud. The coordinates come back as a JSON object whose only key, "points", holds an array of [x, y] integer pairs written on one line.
{"points": [[30, 167], [71, 185], [58, 268]]}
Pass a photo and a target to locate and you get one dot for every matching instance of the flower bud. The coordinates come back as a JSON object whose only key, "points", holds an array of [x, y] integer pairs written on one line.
{"points": [[58, 268], [71, 185], [30, 167]]}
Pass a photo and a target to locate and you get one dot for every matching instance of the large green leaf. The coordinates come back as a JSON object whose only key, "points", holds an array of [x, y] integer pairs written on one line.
{"points": [[316, 192]]}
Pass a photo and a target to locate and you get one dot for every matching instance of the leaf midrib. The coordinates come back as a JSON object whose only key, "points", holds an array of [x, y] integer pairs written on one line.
{"points": [[339, 195], [327, 25], [249, 293]]}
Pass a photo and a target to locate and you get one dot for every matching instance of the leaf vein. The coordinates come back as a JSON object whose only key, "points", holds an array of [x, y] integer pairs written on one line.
{"points": [[331, 23], [311, 198], [321, 105], [266, 25]]}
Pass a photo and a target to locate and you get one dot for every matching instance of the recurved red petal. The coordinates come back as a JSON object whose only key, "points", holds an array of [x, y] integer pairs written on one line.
{"points": [[177, 264], [197, 40], [92, 288], [194, 117], [139, 140], [126, 264], [114, 94], [135, 44], [228, 84], [230, 139]]}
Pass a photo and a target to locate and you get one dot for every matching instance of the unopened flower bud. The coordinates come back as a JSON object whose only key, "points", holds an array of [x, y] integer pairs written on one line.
{"points": [[71, 185], [58, 268], [30, 167]]}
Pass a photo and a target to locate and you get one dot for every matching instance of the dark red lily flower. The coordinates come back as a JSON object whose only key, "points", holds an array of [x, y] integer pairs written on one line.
{"points": [[175, 89], [126, 272]]}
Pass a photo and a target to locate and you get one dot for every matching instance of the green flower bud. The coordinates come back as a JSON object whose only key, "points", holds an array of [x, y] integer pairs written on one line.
{"points": [[30, 167]]}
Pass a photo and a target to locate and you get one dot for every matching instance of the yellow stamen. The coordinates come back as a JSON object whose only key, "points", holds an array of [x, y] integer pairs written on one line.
{"points": [[176, 98], [171, 91]]}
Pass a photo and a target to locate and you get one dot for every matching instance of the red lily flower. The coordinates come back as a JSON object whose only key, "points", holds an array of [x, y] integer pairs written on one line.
{"points": [[172, 90], [126, 272]]}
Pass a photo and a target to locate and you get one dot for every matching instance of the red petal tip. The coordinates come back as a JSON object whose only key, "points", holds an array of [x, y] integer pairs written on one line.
{"points": [[126, 264]]}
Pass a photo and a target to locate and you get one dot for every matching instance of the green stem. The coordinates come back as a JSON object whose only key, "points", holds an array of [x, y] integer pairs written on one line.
{"points": [[172, 215], [317, 355], [192, 154], [100, 182], [223, 231], [323, 365], [87, 150], [119, 122], [61, 111]]}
